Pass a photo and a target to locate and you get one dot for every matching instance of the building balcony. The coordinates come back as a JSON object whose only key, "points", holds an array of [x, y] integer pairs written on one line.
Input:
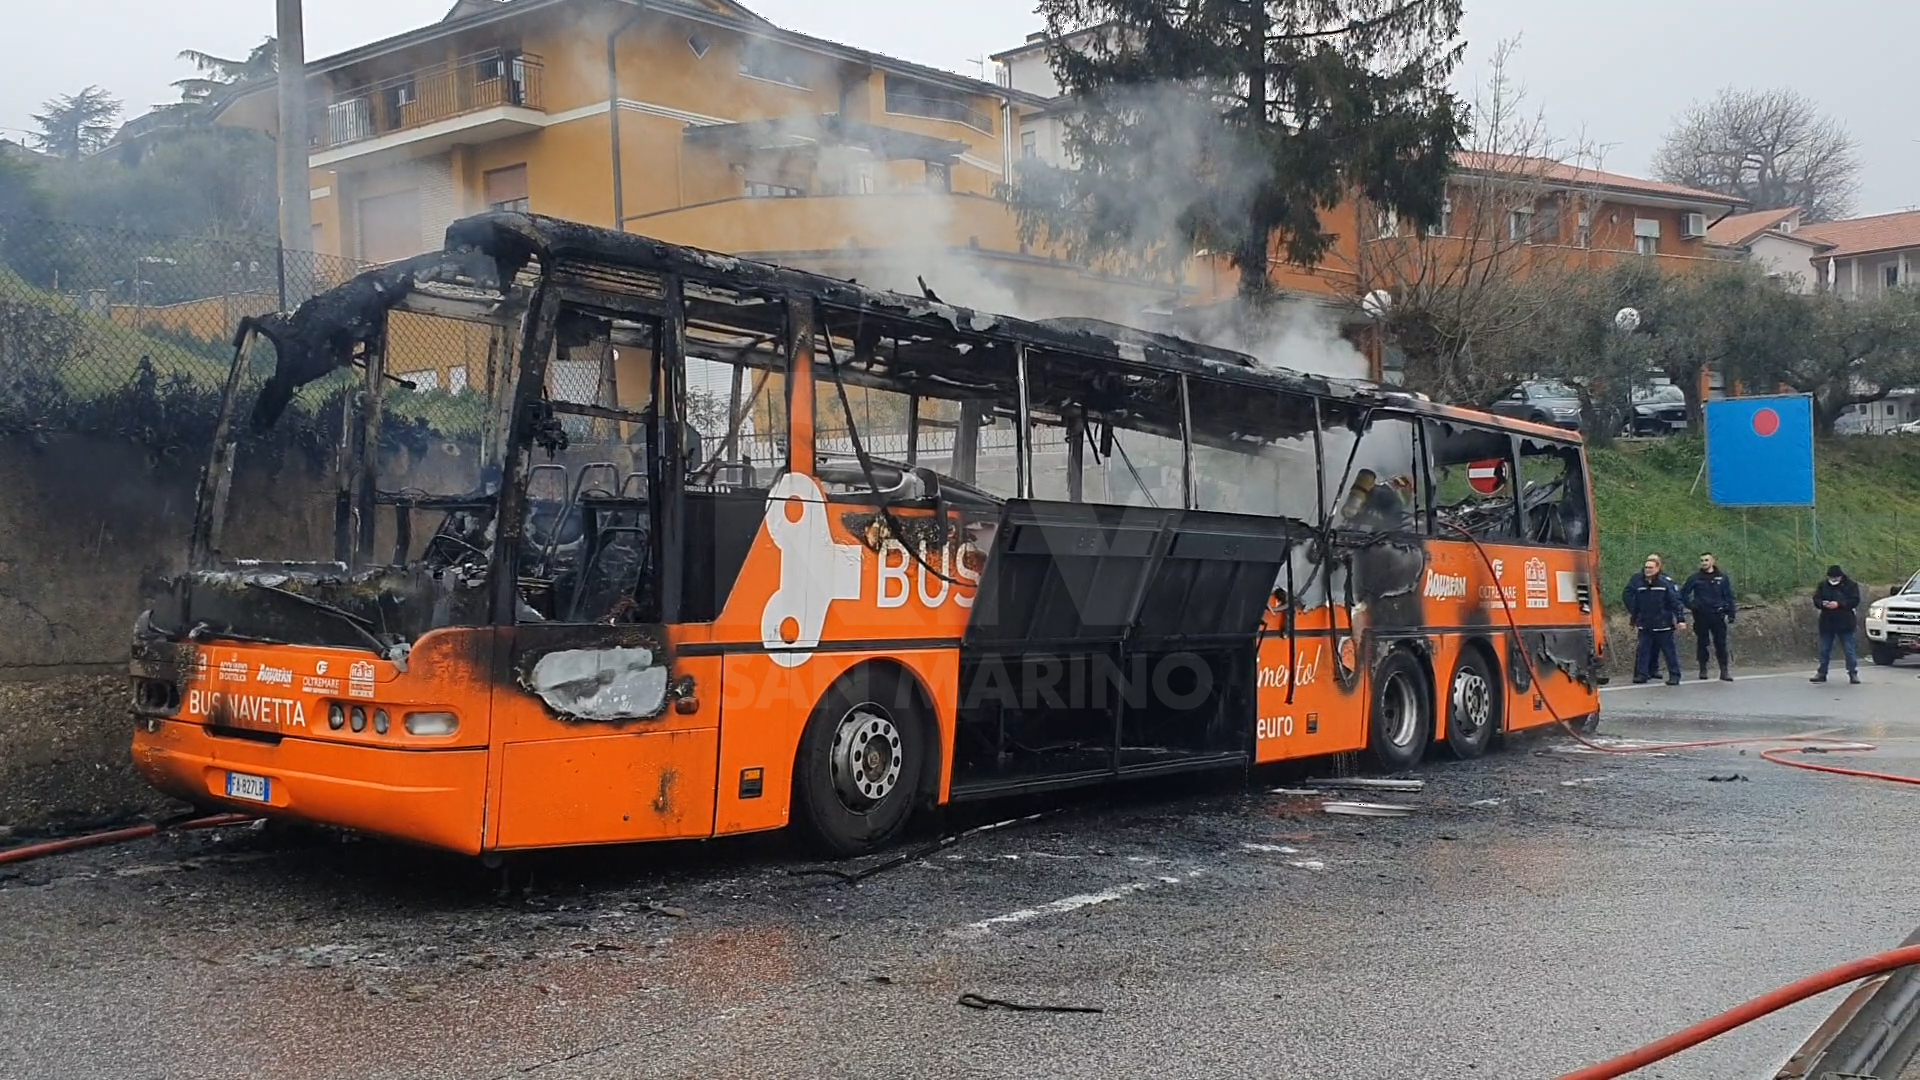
{"points": [[479, 98], [781, 227]]}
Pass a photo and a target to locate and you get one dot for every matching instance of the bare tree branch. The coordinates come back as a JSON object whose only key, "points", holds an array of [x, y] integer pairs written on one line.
{"points": [[1772, 148]]}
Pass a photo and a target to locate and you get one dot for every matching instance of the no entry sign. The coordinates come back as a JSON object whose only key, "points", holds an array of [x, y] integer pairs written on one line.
{"points": [[1487, 477]]}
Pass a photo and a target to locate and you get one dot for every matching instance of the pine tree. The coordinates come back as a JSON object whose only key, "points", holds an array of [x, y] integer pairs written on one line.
{"points": [[1231, 125]]}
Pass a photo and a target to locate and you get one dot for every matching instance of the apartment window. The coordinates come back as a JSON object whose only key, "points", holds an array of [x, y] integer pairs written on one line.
{"points": [[1029, 143], [457, 379], [1890, 275], [1586, 228], [939, 176], [423, 381], [1520, 225], [908, 97], [506, 189], [401, 95], [1388, 223], [699, 46], [769, 64], [1546, 225], [759, 190], [1444, 227], [1646, 236]]}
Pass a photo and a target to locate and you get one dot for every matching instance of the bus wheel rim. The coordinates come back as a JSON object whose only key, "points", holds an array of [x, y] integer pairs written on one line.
{"points": [[1403, 712], [1472, 701], [867, 757]]}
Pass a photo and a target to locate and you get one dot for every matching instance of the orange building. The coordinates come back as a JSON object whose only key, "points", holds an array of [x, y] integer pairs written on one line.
{"points": [[692, 121]]}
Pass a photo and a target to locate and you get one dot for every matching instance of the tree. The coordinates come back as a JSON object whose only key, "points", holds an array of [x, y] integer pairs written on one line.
{"points": [[1498, 259], [1232, 126], [1772, 148], [1842, 352], [216, 74], [75, 125]]}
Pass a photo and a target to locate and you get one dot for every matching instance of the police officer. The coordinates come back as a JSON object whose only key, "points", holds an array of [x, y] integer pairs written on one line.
{"points": [[1709, 595], [1653, 607]]}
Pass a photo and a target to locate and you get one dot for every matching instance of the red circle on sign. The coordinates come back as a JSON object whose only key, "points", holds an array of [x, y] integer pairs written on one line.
{"points": [[1765, 423], [1487, 477]]}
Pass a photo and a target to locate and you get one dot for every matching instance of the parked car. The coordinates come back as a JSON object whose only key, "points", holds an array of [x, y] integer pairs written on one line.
{"points": [[1543, 401], [1658, 410], [1893, 623]]}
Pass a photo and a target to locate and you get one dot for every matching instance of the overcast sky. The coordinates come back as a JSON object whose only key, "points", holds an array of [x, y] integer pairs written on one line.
{"points": [[1616, 72]]}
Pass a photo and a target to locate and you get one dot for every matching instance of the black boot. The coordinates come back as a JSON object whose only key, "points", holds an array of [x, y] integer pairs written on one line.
{"points": [[1703, 673], [1725, 676], [1853, 677]]}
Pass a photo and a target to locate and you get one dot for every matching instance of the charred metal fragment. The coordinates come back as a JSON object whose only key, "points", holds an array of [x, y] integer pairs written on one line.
{"points": [[1571, 652], [326, 332]]}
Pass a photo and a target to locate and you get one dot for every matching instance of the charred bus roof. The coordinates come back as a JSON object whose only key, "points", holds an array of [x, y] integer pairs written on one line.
{"points": [[735, 307]]}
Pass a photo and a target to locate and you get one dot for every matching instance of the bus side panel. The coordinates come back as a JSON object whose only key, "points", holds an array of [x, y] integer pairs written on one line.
{"points": [[569, 781], [766, 708], [605, 789], [1324, 716], [1538, 591]]}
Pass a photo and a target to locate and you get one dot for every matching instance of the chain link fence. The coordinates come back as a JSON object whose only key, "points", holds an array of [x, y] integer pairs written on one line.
{"points": [[1771, 553], [106, 331]]}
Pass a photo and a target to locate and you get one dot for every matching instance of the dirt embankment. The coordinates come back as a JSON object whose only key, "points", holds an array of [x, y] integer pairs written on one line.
{"points": [[1784, 631]]}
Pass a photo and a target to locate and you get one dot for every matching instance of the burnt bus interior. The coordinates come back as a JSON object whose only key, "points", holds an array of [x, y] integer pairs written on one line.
{"points": [[1140, 499]]}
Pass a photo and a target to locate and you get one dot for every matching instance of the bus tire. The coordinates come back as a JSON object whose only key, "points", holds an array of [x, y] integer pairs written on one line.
{"points": [[1473, 705], [1400, 720], [859, 771]]}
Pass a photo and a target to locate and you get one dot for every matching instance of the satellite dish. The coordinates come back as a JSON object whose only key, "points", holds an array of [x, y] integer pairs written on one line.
{"points": [[1627, 320], [1377, 303]]}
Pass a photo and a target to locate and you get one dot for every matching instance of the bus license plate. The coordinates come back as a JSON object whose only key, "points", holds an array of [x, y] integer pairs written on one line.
{"points": [[250, 788]]}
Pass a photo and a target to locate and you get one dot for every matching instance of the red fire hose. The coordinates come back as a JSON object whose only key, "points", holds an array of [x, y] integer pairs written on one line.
{"points": [[1751, 1011], [114, 836]]}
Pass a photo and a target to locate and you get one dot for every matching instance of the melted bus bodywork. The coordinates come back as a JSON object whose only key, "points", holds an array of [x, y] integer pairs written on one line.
{"points": [[724, 546]]}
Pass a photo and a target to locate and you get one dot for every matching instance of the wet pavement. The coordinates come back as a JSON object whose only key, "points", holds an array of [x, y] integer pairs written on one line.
{"points": [[1542, 910]]}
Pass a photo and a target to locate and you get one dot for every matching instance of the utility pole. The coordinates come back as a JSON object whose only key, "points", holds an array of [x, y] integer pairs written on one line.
{"points": [[296, 208]]}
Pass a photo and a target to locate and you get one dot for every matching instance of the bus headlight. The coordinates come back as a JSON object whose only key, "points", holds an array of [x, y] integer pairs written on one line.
{"points": [[336, 717], [359, 719], [380, 722], [432, 723]]}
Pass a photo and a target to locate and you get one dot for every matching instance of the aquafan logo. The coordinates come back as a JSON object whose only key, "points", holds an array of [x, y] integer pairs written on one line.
{"points": [[1445, 586]]}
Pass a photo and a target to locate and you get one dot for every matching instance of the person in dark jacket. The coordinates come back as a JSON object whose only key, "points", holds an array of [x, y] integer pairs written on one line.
{"points": [[1708, 594], [1837, 598], [1653, 607]]}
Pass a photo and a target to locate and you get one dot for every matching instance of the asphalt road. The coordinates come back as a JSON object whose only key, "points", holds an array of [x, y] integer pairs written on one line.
{"points": [[1543, 910]]}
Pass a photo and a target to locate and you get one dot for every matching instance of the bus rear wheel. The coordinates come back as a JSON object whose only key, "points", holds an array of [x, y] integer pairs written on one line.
{"points": [[1400, 722], [860, 763], [1473, 706]]}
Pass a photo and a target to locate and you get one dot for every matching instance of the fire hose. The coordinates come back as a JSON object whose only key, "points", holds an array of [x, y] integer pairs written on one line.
{"points": [[115, 836]]}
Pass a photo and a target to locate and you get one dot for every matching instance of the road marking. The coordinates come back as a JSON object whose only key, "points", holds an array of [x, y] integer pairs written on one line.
{"points": [[1064, 905], [1276, 849], [1698, 682]]}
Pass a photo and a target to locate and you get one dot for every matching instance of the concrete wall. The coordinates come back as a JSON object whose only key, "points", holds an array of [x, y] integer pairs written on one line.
{"points": [[81, 520]]}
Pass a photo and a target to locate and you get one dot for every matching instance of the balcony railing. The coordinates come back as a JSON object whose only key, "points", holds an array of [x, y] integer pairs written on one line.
{"points": [[902, 103], [490, 80]]}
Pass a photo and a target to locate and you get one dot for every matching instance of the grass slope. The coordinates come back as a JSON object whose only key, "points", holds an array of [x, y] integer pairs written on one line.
{"points": [[1867, 519]]}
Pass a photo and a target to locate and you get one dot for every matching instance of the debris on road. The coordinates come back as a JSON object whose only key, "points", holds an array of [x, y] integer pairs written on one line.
{"points": [[1365, 809], [975, 1001], [1726, 779], [1369, 783]]}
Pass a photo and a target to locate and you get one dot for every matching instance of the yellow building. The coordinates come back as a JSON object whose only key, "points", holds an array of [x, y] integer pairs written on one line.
{"points": [[692, 121]]}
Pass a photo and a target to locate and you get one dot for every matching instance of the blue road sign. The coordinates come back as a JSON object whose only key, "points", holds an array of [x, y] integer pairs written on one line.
{"points": [[1760, 451]]}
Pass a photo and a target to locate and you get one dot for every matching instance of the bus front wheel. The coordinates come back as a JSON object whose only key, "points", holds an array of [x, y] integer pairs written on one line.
{"points": [[860, 762], [1401, 719]]}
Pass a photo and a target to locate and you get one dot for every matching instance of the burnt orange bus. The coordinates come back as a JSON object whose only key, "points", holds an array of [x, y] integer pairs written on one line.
{"points": [[564, 536]]}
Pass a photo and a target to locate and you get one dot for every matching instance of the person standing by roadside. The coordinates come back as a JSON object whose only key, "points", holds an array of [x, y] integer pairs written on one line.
{"points": [[1708, 594], [1653, 608], [1837, 598]]}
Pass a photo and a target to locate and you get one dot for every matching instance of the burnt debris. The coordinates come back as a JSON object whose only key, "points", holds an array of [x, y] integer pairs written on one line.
{"points": [[329, 331]]}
